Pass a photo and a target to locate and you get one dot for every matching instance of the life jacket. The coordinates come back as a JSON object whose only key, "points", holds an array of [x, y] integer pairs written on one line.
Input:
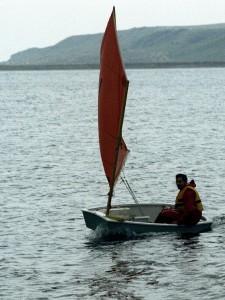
{"points": [[180, 201]]}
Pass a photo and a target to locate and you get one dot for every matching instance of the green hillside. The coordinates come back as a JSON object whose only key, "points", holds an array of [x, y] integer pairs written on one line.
{"points": [[184, 44]]}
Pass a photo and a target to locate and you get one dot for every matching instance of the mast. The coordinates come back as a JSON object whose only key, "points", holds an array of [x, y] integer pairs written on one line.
{"points": [[119, 138]]}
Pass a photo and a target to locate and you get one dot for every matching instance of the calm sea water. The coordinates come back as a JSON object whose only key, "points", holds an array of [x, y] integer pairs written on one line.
{"points": [[51, 168]]}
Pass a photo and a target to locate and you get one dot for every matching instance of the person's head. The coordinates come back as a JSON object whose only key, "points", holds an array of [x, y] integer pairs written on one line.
{"points": [[181, 180]]}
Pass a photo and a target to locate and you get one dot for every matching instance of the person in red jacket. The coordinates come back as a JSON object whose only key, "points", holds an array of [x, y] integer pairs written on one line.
{"points": [[188, 207]]}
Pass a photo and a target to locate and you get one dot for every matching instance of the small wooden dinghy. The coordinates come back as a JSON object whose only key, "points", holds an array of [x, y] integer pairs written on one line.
{"points": [[128, 220]]}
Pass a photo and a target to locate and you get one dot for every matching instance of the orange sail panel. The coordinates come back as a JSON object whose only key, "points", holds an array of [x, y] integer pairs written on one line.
{"points": [[113, 85]]}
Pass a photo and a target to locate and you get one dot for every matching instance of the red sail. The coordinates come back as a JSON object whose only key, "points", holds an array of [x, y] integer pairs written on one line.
{"points": [[113, 85]]}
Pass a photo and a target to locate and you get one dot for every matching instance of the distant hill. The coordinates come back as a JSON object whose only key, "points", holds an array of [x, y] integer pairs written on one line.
{"points": [[147, 45]]}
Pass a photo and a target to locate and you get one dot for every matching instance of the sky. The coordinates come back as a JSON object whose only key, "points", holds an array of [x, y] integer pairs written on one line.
{"points": [[41, 23]]}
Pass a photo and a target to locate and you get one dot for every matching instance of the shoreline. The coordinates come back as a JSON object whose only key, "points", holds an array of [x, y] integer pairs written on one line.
{"points": [[127, 66]]}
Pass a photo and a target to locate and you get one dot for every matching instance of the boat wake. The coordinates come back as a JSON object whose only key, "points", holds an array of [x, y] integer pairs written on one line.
{"points": [[218, 221], [102, 236]]}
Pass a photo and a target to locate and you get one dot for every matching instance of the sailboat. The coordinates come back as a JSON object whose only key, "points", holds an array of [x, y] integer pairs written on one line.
{"points": [[113, 87]]}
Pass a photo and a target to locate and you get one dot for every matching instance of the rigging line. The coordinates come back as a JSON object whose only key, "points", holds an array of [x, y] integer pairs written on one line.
{"points": [[126, 183]]}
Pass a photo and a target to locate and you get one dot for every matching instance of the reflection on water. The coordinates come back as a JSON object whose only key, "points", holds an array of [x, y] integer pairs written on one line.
{"points": [[136, 260], [112, 283]]}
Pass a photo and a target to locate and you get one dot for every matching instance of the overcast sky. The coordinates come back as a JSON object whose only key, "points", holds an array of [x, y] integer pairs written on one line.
{"points": [[40, 23]]}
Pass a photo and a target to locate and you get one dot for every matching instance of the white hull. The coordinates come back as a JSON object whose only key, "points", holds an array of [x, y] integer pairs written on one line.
{"points": [[136, 219]]}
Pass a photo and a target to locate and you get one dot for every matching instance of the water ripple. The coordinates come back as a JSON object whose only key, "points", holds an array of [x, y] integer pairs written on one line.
{"points": [[51, 169]]}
